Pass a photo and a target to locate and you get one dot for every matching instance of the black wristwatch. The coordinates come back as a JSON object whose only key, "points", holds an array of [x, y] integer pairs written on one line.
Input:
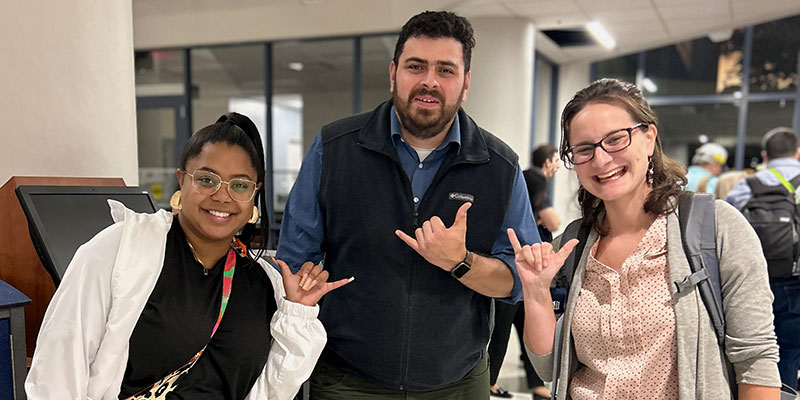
{"points": [[463, 267]]}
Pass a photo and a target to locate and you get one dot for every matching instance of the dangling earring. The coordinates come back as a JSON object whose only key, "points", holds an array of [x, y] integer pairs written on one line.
{"points": [[175, 202], [253, 219], [581, 195], [650, 171]]}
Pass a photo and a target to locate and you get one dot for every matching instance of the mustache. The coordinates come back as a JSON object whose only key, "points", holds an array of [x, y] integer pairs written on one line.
{"points": [[425, 92]]}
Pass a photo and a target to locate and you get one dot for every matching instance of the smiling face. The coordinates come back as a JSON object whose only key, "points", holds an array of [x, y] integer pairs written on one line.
{"points": [[428, 84], [215, 218], [618, 176]]}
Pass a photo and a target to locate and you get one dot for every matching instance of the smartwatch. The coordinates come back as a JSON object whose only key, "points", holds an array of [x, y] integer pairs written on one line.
{"points": [[463, 267]]}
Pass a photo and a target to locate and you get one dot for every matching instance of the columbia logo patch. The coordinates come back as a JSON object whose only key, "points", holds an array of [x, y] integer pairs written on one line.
{"points": [[461, 197]]}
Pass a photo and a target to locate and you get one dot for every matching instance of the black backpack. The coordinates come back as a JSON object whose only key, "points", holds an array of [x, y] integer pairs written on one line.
{"points": [[774, 213]]}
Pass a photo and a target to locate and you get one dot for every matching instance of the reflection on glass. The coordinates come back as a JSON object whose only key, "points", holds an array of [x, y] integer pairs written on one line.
{"points": [[157, 154], [761, 117], [313, 86], [226, 79], [544, 87], [159, 73], [681, 127], [775, 55], [698, 66], [376, 54], [623, 68]]}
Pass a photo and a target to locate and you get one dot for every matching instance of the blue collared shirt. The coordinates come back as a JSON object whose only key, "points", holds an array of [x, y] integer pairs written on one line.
{"points": [[741, 193], [302, 234]]}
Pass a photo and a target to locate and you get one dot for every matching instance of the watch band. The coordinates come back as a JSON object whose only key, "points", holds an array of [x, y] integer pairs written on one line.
{"points": [[463, 267]]}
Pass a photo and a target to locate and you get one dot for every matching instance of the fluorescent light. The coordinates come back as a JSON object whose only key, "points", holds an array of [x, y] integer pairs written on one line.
{"points": [[601, 34], [296, 66], [649, 85]]}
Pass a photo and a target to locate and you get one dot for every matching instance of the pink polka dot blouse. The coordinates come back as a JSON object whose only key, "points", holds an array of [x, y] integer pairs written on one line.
{"points": [[624, 326]]}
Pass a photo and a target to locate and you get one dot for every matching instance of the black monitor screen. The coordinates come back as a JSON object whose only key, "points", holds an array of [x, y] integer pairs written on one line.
{"points": [[62, 218]]}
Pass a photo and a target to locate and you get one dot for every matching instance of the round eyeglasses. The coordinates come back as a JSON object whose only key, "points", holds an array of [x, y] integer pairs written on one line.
{"points": [[207, 183], [613, 142]]}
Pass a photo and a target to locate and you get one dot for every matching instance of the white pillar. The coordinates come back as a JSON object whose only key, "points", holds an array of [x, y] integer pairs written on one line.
{"points": [[68, 103], [500, 94], [572, 78]]}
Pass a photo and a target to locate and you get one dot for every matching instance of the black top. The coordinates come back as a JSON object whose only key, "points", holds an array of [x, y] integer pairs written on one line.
{"points": [[537, 192], [408, 325], [177, 321]]}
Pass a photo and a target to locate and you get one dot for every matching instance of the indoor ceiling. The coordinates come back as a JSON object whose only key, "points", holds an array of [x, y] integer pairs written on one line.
{"points": [[635, 24]]}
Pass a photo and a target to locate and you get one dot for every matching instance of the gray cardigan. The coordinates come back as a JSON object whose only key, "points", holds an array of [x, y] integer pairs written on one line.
{"points": [[750, 342]]}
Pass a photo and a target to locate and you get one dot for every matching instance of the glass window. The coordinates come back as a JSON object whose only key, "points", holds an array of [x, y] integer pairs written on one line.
{"points": [[683, 128], [159, 72], [376, 54], [160, 120], [775, 55], [541, 121], [623, 68], [761, 117], [227, 79], [697, 67], [313, 86], [157, 152]]}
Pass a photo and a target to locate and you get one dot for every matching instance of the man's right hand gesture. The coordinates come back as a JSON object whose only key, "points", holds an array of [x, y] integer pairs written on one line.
{"points": [[537, 264]]}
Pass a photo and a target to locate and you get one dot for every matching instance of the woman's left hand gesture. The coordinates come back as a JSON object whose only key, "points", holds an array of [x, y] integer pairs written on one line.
{"points": [[309, 284]]}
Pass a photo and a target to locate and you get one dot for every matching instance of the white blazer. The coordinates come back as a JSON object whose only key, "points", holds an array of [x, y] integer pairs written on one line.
{"points": [[82, 348]]}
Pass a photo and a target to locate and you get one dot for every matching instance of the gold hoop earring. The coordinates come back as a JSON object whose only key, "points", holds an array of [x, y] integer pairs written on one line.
{"points": [[175, 201], [253, 219]]}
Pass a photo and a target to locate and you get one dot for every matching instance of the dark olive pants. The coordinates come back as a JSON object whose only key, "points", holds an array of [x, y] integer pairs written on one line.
{"points": [[329, 383]]}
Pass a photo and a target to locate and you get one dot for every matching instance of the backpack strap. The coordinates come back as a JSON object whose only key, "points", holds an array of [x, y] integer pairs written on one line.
{"points": [[789, 186], [575, 230], [699, 237]]}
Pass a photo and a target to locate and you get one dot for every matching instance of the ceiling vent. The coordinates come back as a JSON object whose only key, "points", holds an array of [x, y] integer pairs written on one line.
{"points": [[570, 37]]}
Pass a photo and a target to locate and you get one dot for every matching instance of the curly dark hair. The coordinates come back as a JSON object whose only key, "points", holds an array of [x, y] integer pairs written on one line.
{"points": [[669, 176], [438, 24]]}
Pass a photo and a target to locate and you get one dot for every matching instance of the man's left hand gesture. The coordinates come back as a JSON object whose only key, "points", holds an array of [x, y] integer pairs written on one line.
{"points": [[439, 245]]}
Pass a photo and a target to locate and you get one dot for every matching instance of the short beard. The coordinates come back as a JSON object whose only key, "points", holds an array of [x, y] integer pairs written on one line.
{"points": [[423, 125]]}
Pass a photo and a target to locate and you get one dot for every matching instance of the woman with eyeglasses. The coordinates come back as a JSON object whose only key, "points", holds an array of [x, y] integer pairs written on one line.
{"points": [[626, 333], [180, 307]]}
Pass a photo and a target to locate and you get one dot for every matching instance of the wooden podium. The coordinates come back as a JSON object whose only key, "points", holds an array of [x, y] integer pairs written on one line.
{"points": [[19, 263]]}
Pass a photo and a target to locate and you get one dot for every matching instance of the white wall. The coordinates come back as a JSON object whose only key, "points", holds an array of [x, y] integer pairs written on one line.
{"points": [[571, 78], [500, 94], [67, 104]]}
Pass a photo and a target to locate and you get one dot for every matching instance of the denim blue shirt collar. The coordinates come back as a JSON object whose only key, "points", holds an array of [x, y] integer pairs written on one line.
{"points": [[453, 135]]}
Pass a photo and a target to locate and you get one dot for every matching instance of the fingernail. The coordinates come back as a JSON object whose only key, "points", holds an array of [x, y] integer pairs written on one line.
{"points": [[352, 278]]}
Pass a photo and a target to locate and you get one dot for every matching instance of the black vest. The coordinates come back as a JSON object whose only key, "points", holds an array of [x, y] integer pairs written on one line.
{"points": [[405, 323]]}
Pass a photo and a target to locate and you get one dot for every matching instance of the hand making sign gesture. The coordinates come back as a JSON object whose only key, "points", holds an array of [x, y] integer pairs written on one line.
{"points": [[537, 264], [309, 284], [441, 246]]}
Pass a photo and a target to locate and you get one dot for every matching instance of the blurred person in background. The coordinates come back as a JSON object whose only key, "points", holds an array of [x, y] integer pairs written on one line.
{"points": [[707, 164], [780, 154], [545, 164]]}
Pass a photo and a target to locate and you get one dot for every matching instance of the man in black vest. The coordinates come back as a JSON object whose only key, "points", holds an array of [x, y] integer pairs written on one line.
{"points": [[383, 196]]}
